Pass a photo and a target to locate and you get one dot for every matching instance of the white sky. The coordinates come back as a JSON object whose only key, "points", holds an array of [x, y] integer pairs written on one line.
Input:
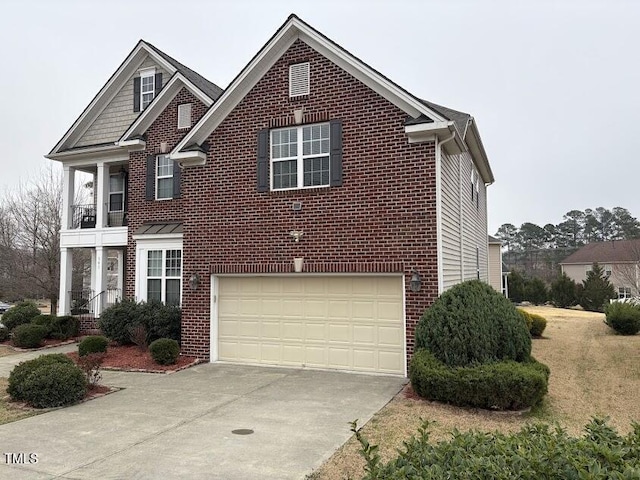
{"points": [[553, 85]]}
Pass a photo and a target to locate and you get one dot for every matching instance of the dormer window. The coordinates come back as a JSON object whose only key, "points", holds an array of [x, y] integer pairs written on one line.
{"points": [[145, 87]]}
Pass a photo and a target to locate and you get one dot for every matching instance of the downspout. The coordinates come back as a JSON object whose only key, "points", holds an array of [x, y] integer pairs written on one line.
{"points": [[439, 208], [461, 218]]}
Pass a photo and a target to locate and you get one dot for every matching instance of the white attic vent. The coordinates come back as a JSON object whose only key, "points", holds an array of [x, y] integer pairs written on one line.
{"points": [[299, 79], [184, 115]]}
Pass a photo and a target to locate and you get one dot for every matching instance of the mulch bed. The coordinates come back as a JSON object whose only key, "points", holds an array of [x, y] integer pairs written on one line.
{"points": [[131, 358], [47, 343]]}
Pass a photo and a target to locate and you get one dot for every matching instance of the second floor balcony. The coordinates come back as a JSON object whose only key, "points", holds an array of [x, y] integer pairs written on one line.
{"points": [[85, 216]]}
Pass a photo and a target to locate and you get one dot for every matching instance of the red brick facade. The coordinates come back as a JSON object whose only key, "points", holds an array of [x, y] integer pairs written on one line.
{"points": [[382, 219], [141, 210]]}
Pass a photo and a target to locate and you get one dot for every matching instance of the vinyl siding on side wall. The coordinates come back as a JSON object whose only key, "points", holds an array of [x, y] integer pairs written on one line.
{"points": [[495, 267], [464, 224], [118, 115]]}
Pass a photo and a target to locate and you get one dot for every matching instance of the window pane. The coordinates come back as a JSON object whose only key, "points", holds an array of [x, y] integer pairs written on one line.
{"points": [[285, 174], [316, 171], [147, 83], [165, 166], [154, 263], [116, 183], [173, 292], [165, 188], [174, 263], [154, 290], [146, 99], [283, 143], [116, 202], [315, 139]]}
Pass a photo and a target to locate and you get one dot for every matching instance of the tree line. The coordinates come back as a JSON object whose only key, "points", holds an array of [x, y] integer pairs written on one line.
{"points": [[537, 251]]}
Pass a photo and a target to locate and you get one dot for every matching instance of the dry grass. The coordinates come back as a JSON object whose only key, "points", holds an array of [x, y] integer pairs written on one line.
{"points": [[4, 351], [593, 372], [9, 412]]}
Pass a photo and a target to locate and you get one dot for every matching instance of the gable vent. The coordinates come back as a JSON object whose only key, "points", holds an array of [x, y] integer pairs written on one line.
{"points": [[184, 115], [299, 79]]}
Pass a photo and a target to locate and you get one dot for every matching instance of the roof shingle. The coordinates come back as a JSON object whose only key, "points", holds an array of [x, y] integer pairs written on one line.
{"points": [[606, 252]]}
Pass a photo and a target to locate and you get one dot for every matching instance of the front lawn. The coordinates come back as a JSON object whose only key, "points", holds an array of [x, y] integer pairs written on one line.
{"points": [[5, 350], [9, 412], [594, 372]]}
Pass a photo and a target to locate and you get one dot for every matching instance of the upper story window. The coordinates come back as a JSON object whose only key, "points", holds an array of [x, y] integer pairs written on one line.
{"points": [[299, 79], [300, 157], [145, 88], [624, 292], [116, 193], [184, 115], [607, 270], [164, 177]]}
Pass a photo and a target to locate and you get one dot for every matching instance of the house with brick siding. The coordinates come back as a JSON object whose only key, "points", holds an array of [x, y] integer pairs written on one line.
{"points": [[306, 216]]}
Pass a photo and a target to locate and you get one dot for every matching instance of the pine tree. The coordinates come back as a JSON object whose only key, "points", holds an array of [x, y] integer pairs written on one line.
{"points": [[563, 292], [597, 290]]}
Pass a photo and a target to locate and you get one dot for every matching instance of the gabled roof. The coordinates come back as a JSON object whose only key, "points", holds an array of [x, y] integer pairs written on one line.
{"points": [[293, 29], [606, 252], [117, 81], [494, 240]]}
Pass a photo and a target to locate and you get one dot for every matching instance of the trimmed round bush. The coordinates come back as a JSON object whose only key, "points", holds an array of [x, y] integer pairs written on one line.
{"points": [[4, 334], [65, 327], [505, 385], [93, 344], [473, 324], [164, 351], [623, 317], [115, 321], [538, 324], [46, 321], [54, 385], [21, 371], [28, 335], [526, 316], [20, 314], [160, 320]]}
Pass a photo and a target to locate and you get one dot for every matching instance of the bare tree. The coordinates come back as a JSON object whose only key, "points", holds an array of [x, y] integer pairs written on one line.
{"points": [[30, 235]]}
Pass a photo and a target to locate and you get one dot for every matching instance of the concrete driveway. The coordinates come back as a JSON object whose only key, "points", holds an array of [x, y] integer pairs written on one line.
{"points": [[181, 425]]}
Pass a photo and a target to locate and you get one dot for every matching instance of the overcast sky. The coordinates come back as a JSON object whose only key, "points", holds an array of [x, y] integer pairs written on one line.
{"points": [[554, 85]]}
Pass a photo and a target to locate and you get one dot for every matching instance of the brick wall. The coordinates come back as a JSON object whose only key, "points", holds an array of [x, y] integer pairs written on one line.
{"points": [[382, 219], [141, 210]]}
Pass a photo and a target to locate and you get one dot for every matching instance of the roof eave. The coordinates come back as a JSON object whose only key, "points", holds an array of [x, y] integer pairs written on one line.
{"points": [[478, 152]]}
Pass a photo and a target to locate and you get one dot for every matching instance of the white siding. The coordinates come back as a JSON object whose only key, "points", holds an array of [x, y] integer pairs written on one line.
{"points": [[495, 266], [464, 224], [118, 115]]}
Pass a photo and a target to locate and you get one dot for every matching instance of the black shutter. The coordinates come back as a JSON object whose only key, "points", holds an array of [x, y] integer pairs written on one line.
{"points": [[136, 94], [157, 84], [335, 168], [176, 179], [263, 161], [151, 177]]}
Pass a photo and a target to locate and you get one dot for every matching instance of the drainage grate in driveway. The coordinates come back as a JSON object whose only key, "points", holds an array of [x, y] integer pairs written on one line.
{"points": [[242, 431]]}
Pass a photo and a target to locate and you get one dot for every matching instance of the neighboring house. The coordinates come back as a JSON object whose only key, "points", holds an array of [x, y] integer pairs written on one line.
{"points": [[497, 269], [620, 260], [306, 216]]}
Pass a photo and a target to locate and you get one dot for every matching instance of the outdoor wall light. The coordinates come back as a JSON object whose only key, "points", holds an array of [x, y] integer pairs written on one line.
{"points": [[194, 281], [416, 281]]}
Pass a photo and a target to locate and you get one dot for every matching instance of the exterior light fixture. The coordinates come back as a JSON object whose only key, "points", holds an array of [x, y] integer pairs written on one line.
{"points": [[416, 281], [194, 281]]}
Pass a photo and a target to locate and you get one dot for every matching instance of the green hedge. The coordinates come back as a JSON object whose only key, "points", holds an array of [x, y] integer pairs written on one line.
{"points": [[535, 452], [92, 344], [471, 323], [505, 385], [20, 314], [538, 324], [164, 351], [4, 334], [623, 317], [65, 327], [159, 320], [54, 385], [21, 371], [28, 335]]}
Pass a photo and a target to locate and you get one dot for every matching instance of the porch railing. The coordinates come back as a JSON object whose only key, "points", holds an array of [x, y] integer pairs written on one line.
{"points": [[84, 216], [86, 302]]}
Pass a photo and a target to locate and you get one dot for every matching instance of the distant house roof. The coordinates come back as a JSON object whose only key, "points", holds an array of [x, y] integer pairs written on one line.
{"points": [[606, 252], [494, 240]]}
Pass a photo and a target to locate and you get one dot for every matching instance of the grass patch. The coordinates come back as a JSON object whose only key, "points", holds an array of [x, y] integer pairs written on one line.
{"points": [[593, 373], [4, 351], [9, 412]]}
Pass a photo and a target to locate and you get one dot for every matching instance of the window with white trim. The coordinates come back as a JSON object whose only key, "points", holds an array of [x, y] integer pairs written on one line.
{"points": [[299, 79], [116, 193], [164, 276], [607, 270], [164, 177], [184, 115], [624, 292], [147, 87], [300, 157]]}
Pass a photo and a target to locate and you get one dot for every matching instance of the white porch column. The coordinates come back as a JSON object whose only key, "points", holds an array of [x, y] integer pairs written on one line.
{"points": [[102, 191], [66, 270], [100, 278], [68, 196]]}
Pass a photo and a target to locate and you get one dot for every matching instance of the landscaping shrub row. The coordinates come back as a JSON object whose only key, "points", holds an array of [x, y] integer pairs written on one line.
{"points": [[535, 323], [119, 321], [623, 317], [505, 385], [28, 328], [535, 452]]}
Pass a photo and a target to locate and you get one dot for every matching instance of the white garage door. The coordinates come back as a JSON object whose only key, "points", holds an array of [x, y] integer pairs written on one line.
{"points": [[338, 322]]}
